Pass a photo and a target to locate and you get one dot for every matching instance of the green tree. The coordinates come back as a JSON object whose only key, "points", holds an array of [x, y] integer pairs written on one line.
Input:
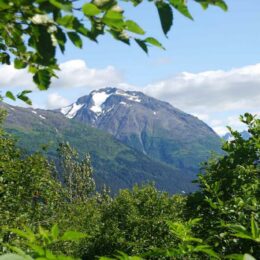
{"points": [[135, 221], [30, 195], [77, 175], [230, 193], [32, 30]]}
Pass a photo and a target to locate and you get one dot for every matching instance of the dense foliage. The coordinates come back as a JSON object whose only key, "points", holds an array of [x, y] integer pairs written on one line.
{"points": [[230, 192], [31, 31], [38, 212]]}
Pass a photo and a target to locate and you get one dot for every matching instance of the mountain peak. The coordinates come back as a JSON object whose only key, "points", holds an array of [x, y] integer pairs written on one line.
{"points": [[149, 125], [99, 97], [97, 102]]}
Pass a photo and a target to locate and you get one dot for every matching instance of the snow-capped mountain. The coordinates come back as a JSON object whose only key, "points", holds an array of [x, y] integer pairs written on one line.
{"points": [[151, 126], [101, 102]]}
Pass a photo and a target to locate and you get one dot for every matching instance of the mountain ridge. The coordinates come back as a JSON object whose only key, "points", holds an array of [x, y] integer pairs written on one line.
{"points": [[154, 127]]}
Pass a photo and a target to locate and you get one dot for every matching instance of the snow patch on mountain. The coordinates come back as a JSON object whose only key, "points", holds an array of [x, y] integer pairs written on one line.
{"points": [[98, 98], [97, 102], [124, 104], [65, 110], [71, 111], [133, 97]]}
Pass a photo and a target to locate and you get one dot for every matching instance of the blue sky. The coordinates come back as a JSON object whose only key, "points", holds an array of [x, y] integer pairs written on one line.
{"points": [[217, 48]]}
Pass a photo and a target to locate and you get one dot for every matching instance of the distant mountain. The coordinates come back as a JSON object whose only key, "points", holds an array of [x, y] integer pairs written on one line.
{"points": [[132, 138], [153, 127], [228, 136], [114, 163]]}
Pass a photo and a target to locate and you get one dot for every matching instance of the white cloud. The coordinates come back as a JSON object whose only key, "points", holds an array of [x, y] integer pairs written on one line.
{"points": [[216, 122], [220, 130], [201, 116], [76, 73], [73, 74], [56, 101], [220, 126], [211, 91], [217, 97], [12, 78]]}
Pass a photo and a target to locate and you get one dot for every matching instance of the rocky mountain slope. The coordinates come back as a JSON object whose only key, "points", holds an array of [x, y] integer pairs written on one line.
{"points": [[153, 127]]}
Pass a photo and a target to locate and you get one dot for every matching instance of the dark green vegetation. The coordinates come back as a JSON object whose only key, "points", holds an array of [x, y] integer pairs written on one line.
{"points": [[32, 31], [115, 164], [220, 221]]}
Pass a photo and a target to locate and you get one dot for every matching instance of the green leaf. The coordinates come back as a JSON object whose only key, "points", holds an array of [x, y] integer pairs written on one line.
{"points": [[114, 19], [61, 38], [73, 236], [19, 64], [142, 44], [4, 5], [166, 16], [44, 233], [11, 257], [49, 255], [248, 257], [75, 38], [55, 231], [113, 15], [116, 23], [181, 6], [134, 27], [66, 21], [25, 92], [5, 58], [67, 7], [44, 46], [90, 9], [207, 250], [20, 252], [82, 30], [240, 257], [254, 228], [18, 231], [10, 95], [154, 42], [25, 99], [221, 4], [37, 249], [42, 78], [120, 36]]}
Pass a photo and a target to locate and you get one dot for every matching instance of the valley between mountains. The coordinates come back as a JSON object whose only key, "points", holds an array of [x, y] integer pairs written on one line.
{"points": [[131, 138]]}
